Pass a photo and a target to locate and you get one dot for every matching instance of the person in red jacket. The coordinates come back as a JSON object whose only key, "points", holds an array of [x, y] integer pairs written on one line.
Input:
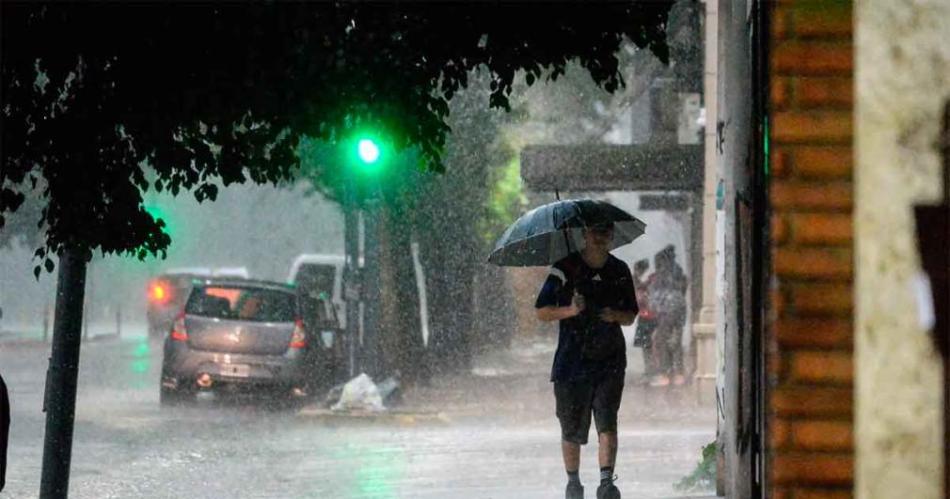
{"points": [[646, 319]]}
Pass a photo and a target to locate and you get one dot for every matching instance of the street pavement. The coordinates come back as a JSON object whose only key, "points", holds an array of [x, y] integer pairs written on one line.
{"points": [[488, 434]]}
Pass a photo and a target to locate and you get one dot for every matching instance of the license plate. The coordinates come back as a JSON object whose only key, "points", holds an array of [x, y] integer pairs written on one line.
{"points": [[236, 370]]}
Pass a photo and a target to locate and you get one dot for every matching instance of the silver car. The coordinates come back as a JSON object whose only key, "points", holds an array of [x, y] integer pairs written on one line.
{"points": [[235, 334]]}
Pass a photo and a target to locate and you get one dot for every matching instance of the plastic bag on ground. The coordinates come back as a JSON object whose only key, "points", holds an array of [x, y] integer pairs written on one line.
{"points": [[360, 394]]}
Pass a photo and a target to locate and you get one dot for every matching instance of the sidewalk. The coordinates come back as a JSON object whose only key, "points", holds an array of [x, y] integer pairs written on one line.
{"points": [[498, 419]]}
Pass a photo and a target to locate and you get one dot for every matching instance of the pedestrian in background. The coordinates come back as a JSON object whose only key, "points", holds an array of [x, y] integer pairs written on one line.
{"points": [[667, 293], [646, 319]]}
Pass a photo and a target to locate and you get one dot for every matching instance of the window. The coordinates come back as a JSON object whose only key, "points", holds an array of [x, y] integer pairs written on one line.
{"points": [[243, 303]]}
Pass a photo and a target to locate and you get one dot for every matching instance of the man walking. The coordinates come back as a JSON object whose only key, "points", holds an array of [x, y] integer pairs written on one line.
{"points": [[591, 294]]}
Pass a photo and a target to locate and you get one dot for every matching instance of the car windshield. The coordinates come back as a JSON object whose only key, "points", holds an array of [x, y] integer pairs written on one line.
{"points": [[242, 303]]}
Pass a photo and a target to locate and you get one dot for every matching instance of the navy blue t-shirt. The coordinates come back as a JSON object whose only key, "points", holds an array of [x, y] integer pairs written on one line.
{"points": [[588, 347]]}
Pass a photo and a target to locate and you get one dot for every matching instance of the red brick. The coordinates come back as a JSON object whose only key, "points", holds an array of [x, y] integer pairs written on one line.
{"points": [[822, 299], [781, 19], [779, 229], [781, 93], [822, 367], [816, 469], [808, 195], [814, 263], [778, 301], [821, 162], [823, 20], [778, 163], [816, 126], [779, 493], [822, 228], [775, 368], [778, 433], [812, 401], [822, 435], [812, 59], [814, 333], [844, 493], [824, 92]]}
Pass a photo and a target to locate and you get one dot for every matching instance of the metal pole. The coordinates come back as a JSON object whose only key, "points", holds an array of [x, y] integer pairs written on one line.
{"points": [[371, 290], [350, 273], [60, 399], [118, 321]]}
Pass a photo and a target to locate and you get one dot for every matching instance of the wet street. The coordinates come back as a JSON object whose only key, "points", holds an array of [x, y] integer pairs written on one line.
{"points": [[495, 436]]}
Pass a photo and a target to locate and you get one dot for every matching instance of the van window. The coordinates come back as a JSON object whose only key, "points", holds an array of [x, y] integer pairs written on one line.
{"points": [[242, 303], [315, 279]]}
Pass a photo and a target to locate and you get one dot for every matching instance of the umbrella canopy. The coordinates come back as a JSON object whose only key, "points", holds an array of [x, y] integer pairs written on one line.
{"points": [[550, 232]]}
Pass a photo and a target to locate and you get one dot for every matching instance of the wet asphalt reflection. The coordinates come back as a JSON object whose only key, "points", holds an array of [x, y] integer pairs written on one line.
{"points": [[498, 438]]}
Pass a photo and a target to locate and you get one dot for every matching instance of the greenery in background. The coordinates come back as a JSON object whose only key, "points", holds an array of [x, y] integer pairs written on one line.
{"points": [[505, 202], [704, 476]]}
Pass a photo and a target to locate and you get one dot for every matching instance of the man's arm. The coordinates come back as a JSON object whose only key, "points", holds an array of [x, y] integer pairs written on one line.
{"points": [[554, 313], [551, 304]]}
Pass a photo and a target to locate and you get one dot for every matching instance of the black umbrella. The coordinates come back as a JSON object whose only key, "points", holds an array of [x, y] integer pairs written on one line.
{"points": [[550, 232]]}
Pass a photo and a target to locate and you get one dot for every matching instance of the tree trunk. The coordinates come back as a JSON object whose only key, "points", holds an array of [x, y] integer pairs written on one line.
{"points": [[452, 292], [400, 335], [61, 377]]}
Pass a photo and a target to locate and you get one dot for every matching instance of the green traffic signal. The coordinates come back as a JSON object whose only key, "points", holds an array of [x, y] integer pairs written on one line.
{"points": [[368, 151]]}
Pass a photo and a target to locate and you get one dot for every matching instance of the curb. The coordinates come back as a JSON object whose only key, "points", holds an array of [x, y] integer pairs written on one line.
{"points": [[37, 342], [399, 417]]}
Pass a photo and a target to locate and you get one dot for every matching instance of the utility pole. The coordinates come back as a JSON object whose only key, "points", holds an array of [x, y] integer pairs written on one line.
{"points": [[351, 273], [371, 289], [368, 162]]}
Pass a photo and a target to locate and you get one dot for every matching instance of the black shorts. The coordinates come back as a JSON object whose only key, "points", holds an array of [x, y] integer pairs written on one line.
{"points": [[575, 400]]}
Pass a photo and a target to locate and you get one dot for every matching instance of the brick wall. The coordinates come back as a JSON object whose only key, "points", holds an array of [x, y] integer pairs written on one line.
{"points": [[811, 329]]}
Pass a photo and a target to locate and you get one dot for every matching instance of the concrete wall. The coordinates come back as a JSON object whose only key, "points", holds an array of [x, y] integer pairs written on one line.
{"points": [[733, 122], [902, 81]]}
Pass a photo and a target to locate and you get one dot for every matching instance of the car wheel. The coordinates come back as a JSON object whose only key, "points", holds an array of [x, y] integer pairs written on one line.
{"points": [[170, 397]]}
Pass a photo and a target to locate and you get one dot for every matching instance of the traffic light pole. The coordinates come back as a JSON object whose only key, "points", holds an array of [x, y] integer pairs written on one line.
{"points": [[351, 276], [371, 289]]}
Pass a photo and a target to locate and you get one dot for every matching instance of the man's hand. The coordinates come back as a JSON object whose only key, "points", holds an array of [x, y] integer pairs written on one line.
{"points": [[551, 313], [578, 304]]}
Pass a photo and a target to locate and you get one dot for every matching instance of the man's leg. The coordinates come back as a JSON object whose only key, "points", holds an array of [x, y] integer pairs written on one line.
{"points": [[573, 401], [661, 354], [607, 450], [607, 395], [676, 349], [572, 456]]}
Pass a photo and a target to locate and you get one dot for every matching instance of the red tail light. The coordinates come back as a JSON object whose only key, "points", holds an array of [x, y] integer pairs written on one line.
{"points": [[299, 338], [179, 333], [159, 292]]}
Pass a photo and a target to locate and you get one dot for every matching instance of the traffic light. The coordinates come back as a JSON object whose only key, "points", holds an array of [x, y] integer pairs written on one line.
{"points": [[368, 154], [368, 151]]}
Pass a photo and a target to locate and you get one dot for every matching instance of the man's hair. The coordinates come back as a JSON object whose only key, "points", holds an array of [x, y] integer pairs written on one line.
{"points": [[641, 265]]}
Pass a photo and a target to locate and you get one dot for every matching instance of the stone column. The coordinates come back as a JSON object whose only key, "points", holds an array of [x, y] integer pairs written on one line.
{"points": [[704, 329]]}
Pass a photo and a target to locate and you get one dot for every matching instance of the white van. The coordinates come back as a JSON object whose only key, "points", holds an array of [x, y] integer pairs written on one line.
{"points": [[319, 275]]}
